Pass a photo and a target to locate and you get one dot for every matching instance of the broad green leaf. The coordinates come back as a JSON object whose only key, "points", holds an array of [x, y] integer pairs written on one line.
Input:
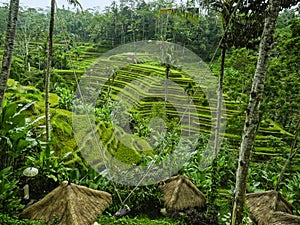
{"points": [[9, 111], [5, 172], [8, 142], [18, 134], [18, 120], [22, 144]]}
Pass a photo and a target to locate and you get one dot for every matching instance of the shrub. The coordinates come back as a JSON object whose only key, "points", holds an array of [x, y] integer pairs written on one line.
{"points": [[10, 202], [66, 97], [7, 220], [291, 189], [193, 217], [16, 138], [109, 219], [52, 170]]}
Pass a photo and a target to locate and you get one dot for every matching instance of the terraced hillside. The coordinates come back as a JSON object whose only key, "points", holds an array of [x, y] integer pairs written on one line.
{"points": [[134, 82], [266, 146], [122, 85], [80, 59]]}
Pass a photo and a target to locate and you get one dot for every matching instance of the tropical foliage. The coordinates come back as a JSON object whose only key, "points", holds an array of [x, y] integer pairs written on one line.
{"points": [[79, 39]]}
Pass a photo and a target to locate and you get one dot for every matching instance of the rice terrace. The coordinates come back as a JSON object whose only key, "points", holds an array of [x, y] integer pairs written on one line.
{"points": [[150, 112]]}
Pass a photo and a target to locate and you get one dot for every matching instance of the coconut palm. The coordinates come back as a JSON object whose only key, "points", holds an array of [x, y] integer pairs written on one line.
{"points": [[9, 46], [49, 64]]}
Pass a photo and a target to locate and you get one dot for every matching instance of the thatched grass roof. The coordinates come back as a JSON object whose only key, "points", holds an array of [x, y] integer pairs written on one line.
{"points": [[267, 207], [180, 193], [72, 204], [282, 218]]}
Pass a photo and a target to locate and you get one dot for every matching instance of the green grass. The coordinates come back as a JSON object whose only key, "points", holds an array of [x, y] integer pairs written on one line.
{"points": [[139, 220], [8, 220]]}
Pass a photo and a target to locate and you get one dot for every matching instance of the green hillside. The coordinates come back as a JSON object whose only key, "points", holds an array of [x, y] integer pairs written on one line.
{"points": [[133, 84]]}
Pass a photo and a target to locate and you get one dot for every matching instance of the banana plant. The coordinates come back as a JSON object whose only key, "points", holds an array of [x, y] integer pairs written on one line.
{"points": [[16, 136], [49, 164]]}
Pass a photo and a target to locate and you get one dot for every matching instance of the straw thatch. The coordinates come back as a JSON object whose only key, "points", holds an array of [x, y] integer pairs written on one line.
{"points": [[282, 218], [71, 204], [180, 193], [267, 207]]}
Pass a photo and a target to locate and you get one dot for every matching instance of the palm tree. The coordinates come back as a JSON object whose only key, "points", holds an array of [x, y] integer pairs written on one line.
{"points": [[49, 64], [48, 71], [9, 46]]}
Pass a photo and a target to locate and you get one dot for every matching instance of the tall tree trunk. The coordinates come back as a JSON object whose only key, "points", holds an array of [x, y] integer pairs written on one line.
{"points": [[219, 103], [293, 153], [212, 209], [9, 46], [48, 71], [252, 113]]}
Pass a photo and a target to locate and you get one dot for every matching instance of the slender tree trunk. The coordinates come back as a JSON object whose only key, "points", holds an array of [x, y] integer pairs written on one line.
{"points": [[293, 153], [219, 103], [252, 113], [168, 67], [8, 47], [27, 55], [48, 71], [213, 211]]}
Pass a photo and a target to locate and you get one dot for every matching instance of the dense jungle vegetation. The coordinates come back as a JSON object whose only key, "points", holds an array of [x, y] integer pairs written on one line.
{"points": [[80, 38]]}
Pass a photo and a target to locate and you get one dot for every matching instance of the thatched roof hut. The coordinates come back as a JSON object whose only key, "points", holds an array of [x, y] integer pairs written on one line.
{"points": [[71, 204], [270, 207], [282, 218], [180, 193]]}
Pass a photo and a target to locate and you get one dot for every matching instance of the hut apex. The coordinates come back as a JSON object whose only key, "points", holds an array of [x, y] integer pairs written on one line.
{"points": [[180, 193], [71, 204]]}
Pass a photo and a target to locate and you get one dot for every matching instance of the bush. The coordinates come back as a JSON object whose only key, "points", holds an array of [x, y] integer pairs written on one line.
{"points": [[52, 170], [109, 219], [291, 190], [193, 217], [10, 202], [66, 97], [7, 220], [16, 137]]}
